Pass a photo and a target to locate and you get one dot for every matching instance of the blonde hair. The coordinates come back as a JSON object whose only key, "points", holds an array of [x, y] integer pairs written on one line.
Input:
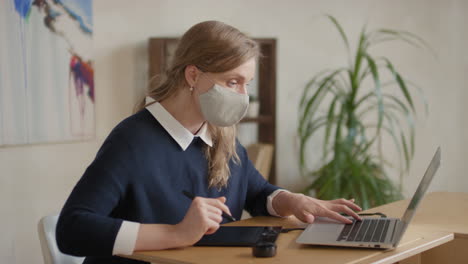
{"points": [[211, 46]]}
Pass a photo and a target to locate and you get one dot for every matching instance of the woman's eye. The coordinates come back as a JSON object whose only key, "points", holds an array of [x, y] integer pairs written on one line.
{"points": [[232, 84]]}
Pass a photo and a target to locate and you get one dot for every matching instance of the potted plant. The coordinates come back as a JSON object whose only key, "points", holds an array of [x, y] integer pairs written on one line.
{"points": [[354, 108]]}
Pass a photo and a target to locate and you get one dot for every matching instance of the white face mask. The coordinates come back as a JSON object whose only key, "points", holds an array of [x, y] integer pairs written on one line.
{"points": [[223, 107]]}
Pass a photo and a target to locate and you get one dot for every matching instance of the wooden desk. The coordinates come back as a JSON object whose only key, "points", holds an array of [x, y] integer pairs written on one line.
{"points": [[438, 233]]}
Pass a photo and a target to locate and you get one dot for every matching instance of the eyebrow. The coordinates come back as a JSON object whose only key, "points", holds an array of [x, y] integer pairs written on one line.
{"points": [[235, 75]]}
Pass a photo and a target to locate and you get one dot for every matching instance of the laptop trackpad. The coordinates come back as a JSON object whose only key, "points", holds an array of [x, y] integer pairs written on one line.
{"points": [[325, 224], [323, 229]]}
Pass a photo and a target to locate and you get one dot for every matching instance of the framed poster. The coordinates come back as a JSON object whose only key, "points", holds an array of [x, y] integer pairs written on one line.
{"points": [[47, 91]]}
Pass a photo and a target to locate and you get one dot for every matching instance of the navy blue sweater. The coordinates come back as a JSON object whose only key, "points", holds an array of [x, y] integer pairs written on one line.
{"points": [[138, 175]]}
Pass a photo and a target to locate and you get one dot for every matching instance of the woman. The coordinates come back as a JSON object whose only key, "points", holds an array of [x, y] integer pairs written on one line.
{"points": [[181, 138]]}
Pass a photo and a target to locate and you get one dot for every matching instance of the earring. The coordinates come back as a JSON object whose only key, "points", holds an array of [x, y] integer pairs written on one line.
{"points": [[191, 88]]}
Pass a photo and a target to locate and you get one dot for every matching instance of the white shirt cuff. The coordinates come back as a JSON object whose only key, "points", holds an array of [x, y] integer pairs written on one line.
{"points": [[269, 204], [126, 238]]}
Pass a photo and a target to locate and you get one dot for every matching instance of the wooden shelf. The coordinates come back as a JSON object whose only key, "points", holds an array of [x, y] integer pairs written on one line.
{"points": [[259, 119]]}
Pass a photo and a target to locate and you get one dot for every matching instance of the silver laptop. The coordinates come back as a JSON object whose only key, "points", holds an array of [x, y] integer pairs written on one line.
{"points": [[370, 232]]}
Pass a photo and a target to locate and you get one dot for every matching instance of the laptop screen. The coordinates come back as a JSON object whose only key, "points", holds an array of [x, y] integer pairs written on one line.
{"points": [[422, 188]]}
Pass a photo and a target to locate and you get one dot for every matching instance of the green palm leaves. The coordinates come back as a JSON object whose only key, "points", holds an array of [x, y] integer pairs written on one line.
{"points": [[353, 109]]}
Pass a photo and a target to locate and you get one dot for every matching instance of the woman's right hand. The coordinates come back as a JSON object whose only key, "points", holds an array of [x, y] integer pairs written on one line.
{"points": [[203, 217]]}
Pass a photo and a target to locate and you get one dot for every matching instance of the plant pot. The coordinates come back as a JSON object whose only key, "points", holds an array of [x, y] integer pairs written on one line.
{"points": [[253, 110]]}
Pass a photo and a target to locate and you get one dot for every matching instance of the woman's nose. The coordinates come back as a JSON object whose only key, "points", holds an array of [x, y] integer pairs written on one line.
{"points": [[242, 89]]}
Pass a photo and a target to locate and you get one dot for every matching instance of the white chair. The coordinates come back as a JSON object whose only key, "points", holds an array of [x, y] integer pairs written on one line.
{"points": [[50, 251]]}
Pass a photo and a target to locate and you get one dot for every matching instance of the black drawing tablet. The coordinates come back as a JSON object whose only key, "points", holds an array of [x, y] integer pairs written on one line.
{"points": [[240, 236]]}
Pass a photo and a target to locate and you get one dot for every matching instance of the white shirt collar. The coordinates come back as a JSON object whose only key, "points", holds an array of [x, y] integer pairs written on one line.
{"points": [[178, 132]]}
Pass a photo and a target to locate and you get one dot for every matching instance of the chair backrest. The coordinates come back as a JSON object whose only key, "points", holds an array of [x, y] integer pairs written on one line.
{"points": [[261, 156], [50, 251]]}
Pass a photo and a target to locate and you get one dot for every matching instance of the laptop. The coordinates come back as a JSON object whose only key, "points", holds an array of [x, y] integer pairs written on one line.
{"points": [[370, 232]]}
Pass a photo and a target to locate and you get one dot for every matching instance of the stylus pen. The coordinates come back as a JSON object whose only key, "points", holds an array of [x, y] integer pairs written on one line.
{"points": [[191, 197]]}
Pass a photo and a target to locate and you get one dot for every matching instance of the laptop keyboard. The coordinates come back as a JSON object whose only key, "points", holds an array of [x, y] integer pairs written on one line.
{"points": [[367, 230]]}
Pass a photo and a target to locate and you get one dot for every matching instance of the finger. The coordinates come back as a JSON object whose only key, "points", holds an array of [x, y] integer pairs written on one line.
{"points": [[349, 203], [346, 210], [203, 207], [309, 218], [306, 217], [212, 227], [215, 217], [337, 216], [217, 203], [213, 209], [222, 199], [352, 205], [210, 231]]}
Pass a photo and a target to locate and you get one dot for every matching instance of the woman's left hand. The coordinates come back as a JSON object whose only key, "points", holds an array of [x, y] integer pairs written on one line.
{"points": [[306, 208]]}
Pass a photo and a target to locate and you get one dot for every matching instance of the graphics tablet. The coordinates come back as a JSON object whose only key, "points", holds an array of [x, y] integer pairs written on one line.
{"points": [[240, 236]]}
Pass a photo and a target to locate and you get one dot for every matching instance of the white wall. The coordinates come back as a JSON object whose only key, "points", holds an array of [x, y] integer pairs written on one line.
{"points": [[36, 180]]}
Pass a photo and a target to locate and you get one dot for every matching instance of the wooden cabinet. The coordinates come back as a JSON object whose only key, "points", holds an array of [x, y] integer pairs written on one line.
{"points": [[160, 54]]}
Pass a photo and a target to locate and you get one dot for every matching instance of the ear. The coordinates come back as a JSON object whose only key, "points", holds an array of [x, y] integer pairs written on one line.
{"points": [[191, 75]]}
